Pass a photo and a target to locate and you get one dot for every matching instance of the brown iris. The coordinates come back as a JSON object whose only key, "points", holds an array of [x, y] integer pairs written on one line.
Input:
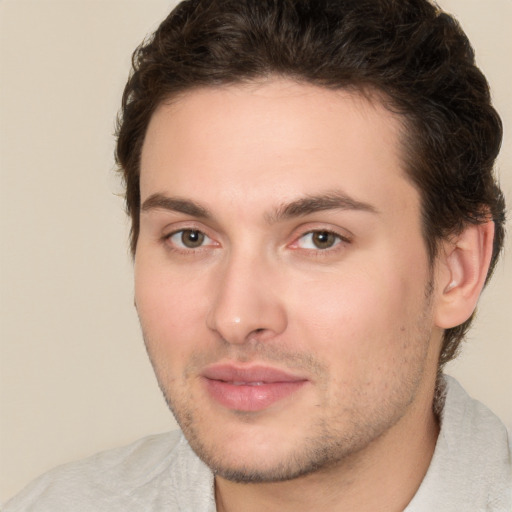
{"points": [[192, 238], [323, 239]]}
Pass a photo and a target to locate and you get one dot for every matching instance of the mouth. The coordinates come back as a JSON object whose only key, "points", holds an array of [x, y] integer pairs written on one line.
{"points": [[249, 388]]}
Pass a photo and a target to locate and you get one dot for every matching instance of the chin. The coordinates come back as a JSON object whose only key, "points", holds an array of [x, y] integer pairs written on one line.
{"points": [[257, 454], [257, 467]]}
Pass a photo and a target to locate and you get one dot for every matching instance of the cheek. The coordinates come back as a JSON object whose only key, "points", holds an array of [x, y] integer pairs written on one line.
{"points": [[361, 318], [171, 309]]}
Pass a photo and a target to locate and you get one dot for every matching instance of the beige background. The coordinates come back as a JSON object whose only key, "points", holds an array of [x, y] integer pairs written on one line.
{"points": [[74, 374]]}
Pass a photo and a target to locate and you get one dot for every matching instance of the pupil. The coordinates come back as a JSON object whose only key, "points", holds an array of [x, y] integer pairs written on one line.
{"points": [[323, 239], [192, 238]]}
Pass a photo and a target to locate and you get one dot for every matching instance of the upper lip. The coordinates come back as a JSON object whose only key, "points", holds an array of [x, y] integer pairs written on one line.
{"points": [[249, 374]]}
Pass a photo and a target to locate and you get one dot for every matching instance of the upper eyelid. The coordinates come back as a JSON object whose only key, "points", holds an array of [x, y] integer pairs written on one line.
{"points": [[341, 239], [304, 230], [298, 232], [344, 240], [185, 225], [180, 230], [178, 248], [334, 232]]}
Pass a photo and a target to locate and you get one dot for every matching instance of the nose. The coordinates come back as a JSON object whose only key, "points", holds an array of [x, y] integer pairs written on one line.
{"points": [[247, 304]]}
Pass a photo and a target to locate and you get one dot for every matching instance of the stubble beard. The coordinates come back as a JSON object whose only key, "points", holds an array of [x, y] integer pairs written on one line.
{"points": [[325, 446]]}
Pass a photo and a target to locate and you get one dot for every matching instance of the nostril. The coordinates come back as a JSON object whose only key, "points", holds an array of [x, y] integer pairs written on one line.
{"points": [[257, 332]]}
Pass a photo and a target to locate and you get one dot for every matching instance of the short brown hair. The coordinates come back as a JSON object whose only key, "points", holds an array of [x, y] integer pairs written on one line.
{"points": [[414, 55]]}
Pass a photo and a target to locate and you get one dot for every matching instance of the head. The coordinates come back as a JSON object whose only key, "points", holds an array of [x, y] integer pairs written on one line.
{"points": [[416, 59], [295, 173]]}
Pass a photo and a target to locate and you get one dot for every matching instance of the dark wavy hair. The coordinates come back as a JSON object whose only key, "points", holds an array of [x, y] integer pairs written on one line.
{"points": [[413, 55]]}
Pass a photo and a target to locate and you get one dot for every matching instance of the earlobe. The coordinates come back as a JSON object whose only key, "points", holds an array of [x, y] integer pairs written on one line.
{"points": [[462, 270]]}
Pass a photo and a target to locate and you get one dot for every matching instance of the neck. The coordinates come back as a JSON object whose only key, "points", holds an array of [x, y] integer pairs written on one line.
{"points": [[384, 476]]}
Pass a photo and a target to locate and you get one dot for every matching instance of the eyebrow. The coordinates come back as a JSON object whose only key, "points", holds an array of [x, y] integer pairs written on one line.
{"points": [[316, 203], [175, 204], [299, 208]]}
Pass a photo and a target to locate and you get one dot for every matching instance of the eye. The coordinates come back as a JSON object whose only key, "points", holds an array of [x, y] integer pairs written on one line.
{"points": [[189, 239], [319, 240]]}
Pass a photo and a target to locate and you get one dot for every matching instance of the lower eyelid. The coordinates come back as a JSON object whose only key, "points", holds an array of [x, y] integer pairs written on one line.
{"points": [[208, 241], [340, 239]]}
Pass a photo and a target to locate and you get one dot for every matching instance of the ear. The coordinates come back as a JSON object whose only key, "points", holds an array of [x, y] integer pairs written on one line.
{"points": [[462, 269]]}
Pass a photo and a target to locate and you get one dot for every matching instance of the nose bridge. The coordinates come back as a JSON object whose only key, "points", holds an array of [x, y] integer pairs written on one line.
{"points": [[246, 301]]}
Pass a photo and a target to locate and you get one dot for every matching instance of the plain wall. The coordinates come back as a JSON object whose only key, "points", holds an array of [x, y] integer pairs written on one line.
{"points": [[74, 376]]}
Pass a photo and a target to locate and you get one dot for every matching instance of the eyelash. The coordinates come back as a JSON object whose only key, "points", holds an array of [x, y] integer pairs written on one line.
{"points": [[168, 239], [339, 240]]}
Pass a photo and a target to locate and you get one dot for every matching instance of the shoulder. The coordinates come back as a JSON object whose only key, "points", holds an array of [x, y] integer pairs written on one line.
{"points": [[471, 425], [144, 475], [471, 468]]}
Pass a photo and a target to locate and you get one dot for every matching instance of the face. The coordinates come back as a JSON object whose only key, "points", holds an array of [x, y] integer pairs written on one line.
{"points": [[282, 281]]}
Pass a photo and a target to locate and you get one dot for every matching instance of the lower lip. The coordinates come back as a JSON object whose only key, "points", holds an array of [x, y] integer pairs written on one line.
{"points": [[249, 398]]}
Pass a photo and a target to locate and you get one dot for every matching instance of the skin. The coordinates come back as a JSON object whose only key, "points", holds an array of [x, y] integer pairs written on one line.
{"points": [[354, 318]]}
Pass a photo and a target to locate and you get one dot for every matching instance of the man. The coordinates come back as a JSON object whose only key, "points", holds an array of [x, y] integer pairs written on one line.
{"points": [[314, 216]]}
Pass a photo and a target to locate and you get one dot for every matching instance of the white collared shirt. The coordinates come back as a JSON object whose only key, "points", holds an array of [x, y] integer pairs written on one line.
{"points": [[471, 470]]}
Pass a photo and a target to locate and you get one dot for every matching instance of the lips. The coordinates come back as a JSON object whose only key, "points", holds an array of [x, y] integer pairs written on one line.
{"points": [[249, 389]]}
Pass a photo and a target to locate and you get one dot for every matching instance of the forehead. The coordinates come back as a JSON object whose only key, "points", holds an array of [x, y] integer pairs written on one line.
{"points": [[273, 140]]}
